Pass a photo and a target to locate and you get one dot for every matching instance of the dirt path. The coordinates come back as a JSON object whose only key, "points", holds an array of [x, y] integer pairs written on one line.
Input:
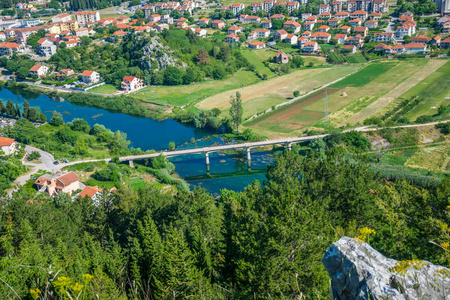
{"points": [[385, 100]]}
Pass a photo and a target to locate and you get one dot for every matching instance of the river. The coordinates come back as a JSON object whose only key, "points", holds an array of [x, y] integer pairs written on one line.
{"points": [[226, 171]]}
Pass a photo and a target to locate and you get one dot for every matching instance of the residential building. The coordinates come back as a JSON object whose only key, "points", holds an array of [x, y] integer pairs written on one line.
{"points": [[291, 39], [234, 29], [345, 29], [203, 21], [340, 37], [39, 70], [371, 24], [380, 47], [359, 14], [57, 183], [321, 36], [246, 19], [232, 38], [312, 19], [280, 34], [2, 36], [403, 31], [420, 39], [83, 17], [7, 146], [355, 22], [46, 47], [131, 84], [257, 45], [266, 24], [90, 77], [65, 17], [292, 5], [66, 72], [201, 32], [308, 26], [324, 8], [445, 43], [268, 4], [259, 33], [376, 16], [342, 15], [155, 18], [415, 48], [436, 41], [123, 19], [72, 43], [336, 6], [334, 22], [323, 28], [349, 49], [182, 25], [81, 32], [293, 26], [281, 58], [361, 30], [384, 37], [278, 17], [91, 192], [254, 7], [237, 7], [306, 34], [218, 24], [306, 16], [325, 15], [310, 47], [355, 40]]}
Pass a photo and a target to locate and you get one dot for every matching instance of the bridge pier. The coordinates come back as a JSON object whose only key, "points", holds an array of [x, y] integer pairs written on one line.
{"points": [[207, 162], [289, 146], [249, 159], [130, 162]]}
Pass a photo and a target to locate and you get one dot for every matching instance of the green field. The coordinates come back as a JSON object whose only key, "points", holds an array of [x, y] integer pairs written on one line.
{"points": [[366, 75], [104, 89], [186, 94], [257, 57]]}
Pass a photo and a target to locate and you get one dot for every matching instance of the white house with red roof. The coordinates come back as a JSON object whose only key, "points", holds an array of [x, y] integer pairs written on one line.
{"points": [[246, 19], [294, 26], [334, 22], [232, 38], [234, 29], [281, 58], [39, 70], [131, 84], [371, 24], [340, 38], [201, 32], [280, 34], [384, 37], [359, 14], [90, 77], [237, 7], [292, 5], [308, 26], [256, 45], [342, 15], [349, 48], [218, 24], [64, 17], [324, 8], [59, 182], [291, 39], [259, 33], [91, 192], [445, 43], [83, 17], [310, 47], [266, 24], [203, 21], [7, 145], [321, 36]]}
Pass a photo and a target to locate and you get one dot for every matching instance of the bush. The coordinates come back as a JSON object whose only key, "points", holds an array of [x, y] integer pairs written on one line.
{"points": [[296, 94], [33, 156]]}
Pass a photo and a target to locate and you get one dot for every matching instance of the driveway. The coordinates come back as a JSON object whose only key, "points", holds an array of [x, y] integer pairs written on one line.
{"points": [[391, 25]]}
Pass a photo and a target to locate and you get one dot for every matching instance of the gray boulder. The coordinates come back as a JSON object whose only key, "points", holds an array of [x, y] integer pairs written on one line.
{"points": [[358, 271]]}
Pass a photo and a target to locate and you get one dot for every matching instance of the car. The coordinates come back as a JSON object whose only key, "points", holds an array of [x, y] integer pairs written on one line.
{"points": [[64, 160], [56, 162]]}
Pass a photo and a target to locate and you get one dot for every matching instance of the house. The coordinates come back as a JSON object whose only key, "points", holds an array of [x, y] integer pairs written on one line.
{"points": [[39, 70], [83, 17], [259, 33], [323, 28], [420, 39], [266, 24], [306, 34], [355, 22], [308, 26], [376, 16], [278, 17], [232, 38], [155, 18], [65, 17], [161, 27], [325, 15], [371, 23], [91, 192], [342, 15], [236, 8], [415, 48], [131, 84], [446, 27], [310, 47], [345, 29], [123, 19], [7, 145], [254, 7], [292, 5], [340, 37], [66, 72], [2, 36], [402, 31], [312, 19], [201, 32], [436, 41], [291, 39], [336, 6], [72, 43], [359, 14], [57, 183], [246, 19], [106, 21], [349, 49], [46, 47], [203, 21], [334, 22], [281, 58], [306, 16], [280, 34], [321, 36], [268, 4], [354, 40], [182, 25], [81, 32], [380, 47], [364, 31], [324, 8], [234, 29], [302, 40], [445, 43], [90, 77], [119, 33], [218, 24], [294, 26], [257, 45], [383, 37]]}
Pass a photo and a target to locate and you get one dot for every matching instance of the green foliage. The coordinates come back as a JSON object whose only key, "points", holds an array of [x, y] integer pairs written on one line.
{"points": [[33, 155], [236, 110]]}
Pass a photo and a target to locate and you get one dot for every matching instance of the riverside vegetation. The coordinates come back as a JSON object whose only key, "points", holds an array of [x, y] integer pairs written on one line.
{"points": [[264, 243]]}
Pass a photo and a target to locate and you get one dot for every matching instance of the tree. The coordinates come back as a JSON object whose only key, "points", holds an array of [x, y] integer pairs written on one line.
{"points": [[173, 76], [17, 111], [202, 56], [2, 108], [56, 119], [10, 110], [296, 94], [236, 110], [139, 14], [172, 145], [23, 72], [26, 108]]}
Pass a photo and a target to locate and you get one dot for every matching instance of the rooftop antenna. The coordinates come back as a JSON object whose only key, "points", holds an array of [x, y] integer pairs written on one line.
{"points": [[325, 121]]}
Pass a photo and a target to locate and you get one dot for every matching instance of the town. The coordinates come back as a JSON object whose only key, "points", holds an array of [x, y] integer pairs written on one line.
{"points": [[337, 30]]}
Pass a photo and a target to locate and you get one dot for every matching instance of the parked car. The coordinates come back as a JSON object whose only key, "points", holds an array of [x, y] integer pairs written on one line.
{"points": [[64, 160], [56, 162]]}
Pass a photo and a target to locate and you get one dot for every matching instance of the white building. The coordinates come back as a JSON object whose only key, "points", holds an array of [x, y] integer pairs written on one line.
{"points": [[39, 70], [65, 17], [83, 17], [7, 145], [131, 83], [90, 76]]}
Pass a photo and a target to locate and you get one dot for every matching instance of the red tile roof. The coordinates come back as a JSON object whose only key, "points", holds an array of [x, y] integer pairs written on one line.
{"points": [[89, 191], [6, 141], [35, 68], [68, 178], [87, 73]]}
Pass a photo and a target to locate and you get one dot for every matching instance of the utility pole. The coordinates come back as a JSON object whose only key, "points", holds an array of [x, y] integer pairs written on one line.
{"points": [[325, 120]]}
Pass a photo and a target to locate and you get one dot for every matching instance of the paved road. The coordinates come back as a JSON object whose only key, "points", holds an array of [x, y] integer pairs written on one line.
{"points": [[391, 25]]}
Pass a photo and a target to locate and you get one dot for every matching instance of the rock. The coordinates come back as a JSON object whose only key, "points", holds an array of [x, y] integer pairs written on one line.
{"points": [[359, 272], [161, 55]]}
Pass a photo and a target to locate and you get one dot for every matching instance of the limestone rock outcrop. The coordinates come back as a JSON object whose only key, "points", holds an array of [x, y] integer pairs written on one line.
{"points": [[358, 271]]}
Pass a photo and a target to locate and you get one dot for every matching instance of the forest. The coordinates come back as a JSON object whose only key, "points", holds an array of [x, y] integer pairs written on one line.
{"points": [[264, 243]]}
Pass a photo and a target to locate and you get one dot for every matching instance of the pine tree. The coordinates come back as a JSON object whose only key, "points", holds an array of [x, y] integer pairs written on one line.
{"points": [[26, 108], [2, 108], [10, 110], [17, 111], [236, 110]]}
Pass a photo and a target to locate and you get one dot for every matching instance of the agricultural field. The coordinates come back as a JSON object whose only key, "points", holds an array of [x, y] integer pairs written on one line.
{"points": [[351, 100], [256, 58], [181, 95], [433, 159], [259, 97]]}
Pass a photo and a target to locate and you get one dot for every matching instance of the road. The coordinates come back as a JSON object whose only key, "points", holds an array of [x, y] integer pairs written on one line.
{"points": [[391, 25]]}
